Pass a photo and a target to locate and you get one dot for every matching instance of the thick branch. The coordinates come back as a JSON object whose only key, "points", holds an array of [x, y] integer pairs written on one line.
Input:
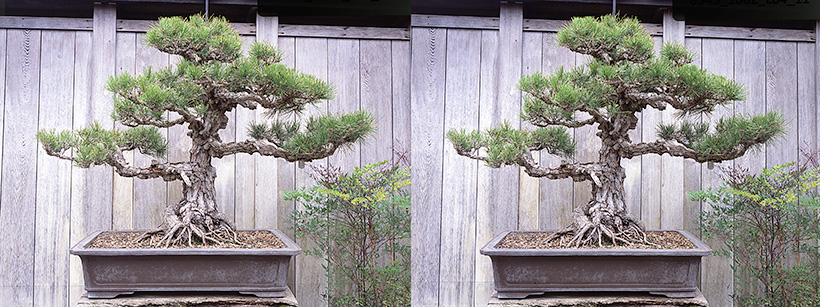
{"points": [[136, 122], [655, 100], [576, 171], [266, 148], [676, 149], [166, 171]]}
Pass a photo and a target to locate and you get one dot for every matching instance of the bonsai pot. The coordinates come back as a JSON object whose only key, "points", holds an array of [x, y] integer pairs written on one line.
{"points": [[519, 273], [109, 272]]}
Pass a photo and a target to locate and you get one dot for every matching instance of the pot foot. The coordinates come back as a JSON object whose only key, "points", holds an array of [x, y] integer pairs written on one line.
{"points": [[265, 293], [517, 294], [674, 294], [106, 294]]}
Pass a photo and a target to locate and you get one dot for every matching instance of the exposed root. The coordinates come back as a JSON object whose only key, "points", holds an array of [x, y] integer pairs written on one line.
{"points": [[185, 225], [601, 227]]}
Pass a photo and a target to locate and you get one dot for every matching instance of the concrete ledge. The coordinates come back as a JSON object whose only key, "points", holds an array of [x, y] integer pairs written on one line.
{"points": [[187, 299], [600, 300]]}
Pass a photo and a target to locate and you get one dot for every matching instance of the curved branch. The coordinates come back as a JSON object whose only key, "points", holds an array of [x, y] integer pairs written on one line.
{"points": [[543, 121], [676, 149], [576, 171], [136, 122], [266, 148], [655, 100], [166, 171]]}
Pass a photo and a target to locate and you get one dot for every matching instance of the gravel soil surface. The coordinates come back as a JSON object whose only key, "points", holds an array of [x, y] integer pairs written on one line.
{"points": [[536, 240], [250, 239]]}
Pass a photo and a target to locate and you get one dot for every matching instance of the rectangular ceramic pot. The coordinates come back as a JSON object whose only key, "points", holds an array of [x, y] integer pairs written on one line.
{"points": [[109, 272], [522, 272]]}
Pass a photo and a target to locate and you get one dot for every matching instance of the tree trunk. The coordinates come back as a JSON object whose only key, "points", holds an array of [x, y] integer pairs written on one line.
{"points": [[605, 216], [196, 218]]}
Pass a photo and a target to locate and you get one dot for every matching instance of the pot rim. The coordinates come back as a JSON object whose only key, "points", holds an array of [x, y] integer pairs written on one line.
{"points": [[290, 248], [701, 249]]}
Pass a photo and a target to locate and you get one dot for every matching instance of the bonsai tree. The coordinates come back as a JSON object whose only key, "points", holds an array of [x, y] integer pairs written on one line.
{"points": [[622, 78], [212, 78]]}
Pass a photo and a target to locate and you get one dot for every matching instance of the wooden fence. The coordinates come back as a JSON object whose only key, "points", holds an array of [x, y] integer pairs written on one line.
{"points": [[455, 72]]}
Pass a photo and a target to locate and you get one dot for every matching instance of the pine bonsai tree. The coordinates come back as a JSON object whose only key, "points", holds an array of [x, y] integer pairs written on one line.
{"points": [[212, 78], [622, 78]]}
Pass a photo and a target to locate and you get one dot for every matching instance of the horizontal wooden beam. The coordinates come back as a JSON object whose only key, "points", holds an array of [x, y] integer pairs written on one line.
{"points": [[127, 25], [46, 23], [789, 35], [344, 32], [461, 22]]}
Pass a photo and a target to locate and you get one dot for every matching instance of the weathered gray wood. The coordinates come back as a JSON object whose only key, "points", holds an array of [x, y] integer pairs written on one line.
{"points": [[426, 113], [376, 94], [311, 58], [17, 213], [806, 99], [245, 165], [750, 33], [672, 193], [691, 169], [484, 213], [179, 147], [507, 105], [53, 190], [528, 187], [82, 103], [556, 195], [3, 54], [401, 95], [224, 184], [458, 197], [286, 178], [650, 167], [587, 148], [46, 23], [781, 96], [717, 57], [343, 32], [150, 195], [344, 73], [123, 188], [454, 22], [266, 214]]}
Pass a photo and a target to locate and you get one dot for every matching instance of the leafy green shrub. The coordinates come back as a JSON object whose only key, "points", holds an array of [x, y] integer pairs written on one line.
{"points": [[770, 225], [360, 222]]}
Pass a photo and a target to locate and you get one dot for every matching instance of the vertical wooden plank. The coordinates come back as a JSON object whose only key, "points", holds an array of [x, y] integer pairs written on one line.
{"points": [[224, 183], [458, 199], [426, 114], [376, 89], [672, 193], [528, 189], [150, 195], [285, 178], [587, 149], [484, 213], [400, 74], [806, 99], [556, 195], [781, 96], [179, 148], [266, 214], [717, 57], [53, 187], [19, 167], [80, 177], [344, 73], [650, 167], [311, 58], [507, 106], [245, 165], [3, 53], [123, 188], [692, 169]]}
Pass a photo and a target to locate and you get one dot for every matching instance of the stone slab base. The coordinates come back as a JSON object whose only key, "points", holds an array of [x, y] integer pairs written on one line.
{"points": [[600, 300], [190, 299]]}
